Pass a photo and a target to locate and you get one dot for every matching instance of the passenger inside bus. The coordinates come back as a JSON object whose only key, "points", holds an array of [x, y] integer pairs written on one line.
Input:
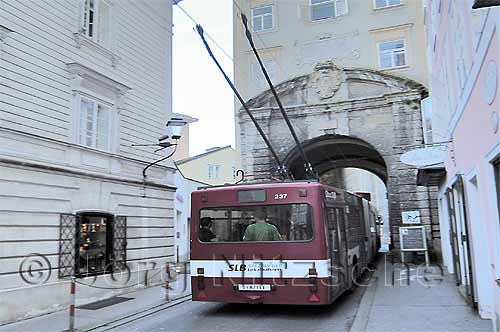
{"points": [[206, 234], [261, 230]]}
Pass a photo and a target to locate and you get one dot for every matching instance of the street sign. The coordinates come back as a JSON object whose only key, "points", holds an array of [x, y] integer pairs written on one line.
{"points": [[424, 156], [413, 238], [411, 217]]}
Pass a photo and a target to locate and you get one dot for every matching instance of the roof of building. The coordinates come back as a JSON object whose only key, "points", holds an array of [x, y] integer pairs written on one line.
{"points": [[207, 152]]}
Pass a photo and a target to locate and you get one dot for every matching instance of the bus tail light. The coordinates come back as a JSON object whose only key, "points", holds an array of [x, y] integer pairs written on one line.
{"points": [[202, 295], [313, 285], [313, 298]]}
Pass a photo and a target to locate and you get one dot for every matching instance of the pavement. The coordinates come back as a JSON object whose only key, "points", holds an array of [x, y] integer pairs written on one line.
{"points": [[425, 299], [143, 301]]}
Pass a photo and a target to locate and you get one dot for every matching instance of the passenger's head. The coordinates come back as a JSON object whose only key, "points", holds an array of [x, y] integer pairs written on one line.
{"points": [[260, 214], [206, 222]]}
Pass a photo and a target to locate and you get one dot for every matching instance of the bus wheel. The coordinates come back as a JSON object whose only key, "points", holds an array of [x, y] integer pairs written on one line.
{"points": [[355, 275]]}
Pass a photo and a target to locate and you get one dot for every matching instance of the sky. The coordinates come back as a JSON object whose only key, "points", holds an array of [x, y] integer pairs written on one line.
{"points": [[199, 90]]}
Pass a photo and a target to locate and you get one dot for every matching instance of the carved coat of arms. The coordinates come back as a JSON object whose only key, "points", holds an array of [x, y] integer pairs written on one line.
{"points": [[326, 79]]}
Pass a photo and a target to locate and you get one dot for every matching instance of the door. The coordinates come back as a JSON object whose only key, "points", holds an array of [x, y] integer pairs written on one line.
{"points": [[454, 237], [338, 251]]}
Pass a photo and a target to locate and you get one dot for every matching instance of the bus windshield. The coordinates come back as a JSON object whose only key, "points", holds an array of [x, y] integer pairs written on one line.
{"points": [[283, 222]]}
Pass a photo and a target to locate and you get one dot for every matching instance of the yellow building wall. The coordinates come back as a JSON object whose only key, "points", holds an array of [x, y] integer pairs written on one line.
{"points": [[197, 168]]}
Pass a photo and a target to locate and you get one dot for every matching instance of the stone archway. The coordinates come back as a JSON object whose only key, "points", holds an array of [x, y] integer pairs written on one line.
{"points": [[329, 151], [367, 118]]}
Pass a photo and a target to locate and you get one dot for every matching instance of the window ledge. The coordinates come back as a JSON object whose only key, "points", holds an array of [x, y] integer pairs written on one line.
{"points": [[262, 32], [82, 40], [311, 21], [395, 68], [382, 9]]}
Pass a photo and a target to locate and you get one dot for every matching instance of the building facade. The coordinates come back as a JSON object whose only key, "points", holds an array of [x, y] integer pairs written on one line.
{"points": [[80, 82], [463, 54], [292, 37], [216, 166]]}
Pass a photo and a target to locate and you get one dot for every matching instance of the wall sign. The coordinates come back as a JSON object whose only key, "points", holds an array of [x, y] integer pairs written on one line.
{"points": [[411, 217], [424, 156]]}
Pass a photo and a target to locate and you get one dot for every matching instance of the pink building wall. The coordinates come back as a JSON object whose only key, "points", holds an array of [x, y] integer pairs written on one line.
{"points": [[462, 115]]}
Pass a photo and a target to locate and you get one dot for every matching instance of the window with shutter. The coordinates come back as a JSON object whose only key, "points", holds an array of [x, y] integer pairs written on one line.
{"points": [[92, 244]]}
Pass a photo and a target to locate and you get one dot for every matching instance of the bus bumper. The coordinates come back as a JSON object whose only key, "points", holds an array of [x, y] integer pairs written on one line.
{"points": [[298, 291]]}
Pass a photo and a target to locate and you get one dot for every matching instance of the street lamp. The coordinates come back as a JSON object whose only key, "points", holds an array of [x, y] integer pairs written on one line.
{"points": [[175, 125]]}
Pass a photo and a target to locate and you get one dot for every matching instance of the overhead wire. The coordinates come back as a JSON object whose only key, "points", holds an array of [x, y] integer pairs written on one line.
{"points": [[281, 169]]}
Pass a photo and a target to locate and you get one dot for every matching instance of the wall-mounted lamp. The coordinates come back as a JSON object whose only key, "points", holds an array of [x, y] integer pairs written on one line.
{"points": [[175, 125], [485, 3]]}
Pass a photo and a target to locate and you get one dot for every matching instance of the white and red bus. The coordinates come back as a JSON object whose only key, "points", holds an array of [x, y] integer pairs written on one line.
{"points": [[327, 237]]}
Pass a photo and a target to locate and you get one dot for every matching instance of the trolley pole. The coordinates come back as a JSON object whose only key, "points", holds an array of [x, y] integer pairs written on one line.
{"points": [[72, 305]]}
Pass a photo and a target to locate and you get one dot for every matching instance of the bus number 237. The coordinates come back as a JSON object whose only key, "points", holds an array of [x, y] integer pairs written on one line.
{"points": [[280, 196]]}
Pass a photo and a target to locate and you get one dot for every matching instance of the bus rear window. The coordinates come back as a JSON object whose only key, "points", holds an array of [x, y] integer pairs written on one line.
{"points": [[284, 222]]}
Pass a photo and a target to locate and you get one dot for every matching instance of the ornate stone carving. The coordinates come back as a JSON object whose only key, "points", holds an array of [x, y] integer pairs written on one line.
{"points": [[326, 79]]}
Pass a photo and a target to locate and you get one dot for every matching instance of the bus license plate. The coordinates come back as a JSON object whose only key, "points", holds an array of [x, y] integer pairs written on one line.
{"points": [[254, 288]]}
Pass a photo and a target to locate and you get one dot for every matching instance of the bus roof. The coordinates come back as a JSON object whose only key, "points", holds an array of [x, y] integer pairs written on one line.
{"points": [[253, 185]]}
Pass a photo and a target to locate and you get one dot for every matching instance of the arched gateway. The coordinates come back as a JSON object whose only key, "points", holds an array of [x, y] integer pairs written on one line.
{"points": [[347, 117]]}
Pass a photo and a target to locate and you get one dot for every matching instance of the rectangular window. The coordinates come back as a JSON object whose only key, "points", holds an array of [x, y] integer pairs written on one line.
{"points": [[283, 222], [95, 124], [392, 54], [94, 249], [262, 18], [214, 171], [259, 80], [96, 21], [386, 3], [326, 9]]}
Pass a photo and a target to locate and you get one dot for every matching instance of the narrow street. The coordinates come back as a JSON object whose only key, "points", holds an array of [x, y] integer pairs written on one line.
{"points": [[202, 316]]}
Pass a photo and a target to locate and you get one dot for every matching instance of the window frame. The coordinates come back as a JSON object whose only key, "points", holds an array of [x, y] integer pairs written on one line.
{"points": [[375, 7], [217, 168], [229, 208], [109, 246], [323, 2], [97, 37], [109, 109], [379, 43], [262, 18]]}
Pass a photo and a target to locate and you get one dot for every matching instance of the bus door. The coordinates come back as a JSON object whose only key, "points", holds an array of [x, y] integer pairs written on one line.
{"points": [[338, 247]]}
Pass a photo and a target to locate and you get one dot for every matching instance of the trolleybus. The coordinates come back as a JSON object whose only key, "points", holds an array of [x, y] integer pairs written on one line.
{"points": [[311, 243]]}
